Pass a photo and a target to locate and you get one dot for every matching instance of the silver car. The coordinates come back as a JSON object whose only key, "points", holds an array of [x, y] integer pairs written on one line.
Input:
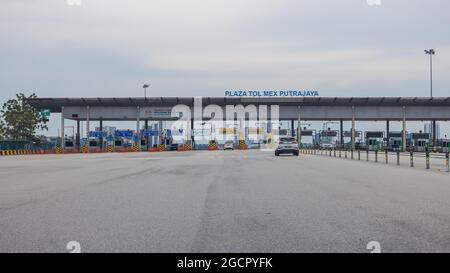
{"points": [[287, 145], [229, 145]]}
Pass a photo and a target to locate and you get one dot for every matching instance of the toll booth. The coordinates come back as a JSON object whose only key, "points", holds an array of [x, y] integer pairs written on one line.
{"points": [[167, 140], [394, 141], [69, 145], [374, 140], [307, 138], [443, 145], [96, 140], [283, 132], [174, 139], [348, 140], [328, 139], [122, 139], [147, 135], [419, 142]]}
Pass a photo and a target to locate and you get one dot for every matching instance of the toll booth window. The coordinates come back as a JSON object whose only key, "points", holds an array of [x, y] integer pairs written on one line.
{"points": [[118, 143], [143, 142], [92, 143], [69, 143]]}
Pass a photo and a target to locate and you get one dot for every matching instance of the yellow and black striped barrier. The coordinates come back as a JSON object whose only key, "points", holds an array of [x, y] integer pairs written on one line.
{"points": [[212, 146], [59, 150], [162, 147], [84, 149], [17, 152], [110, 148], [136, 148], [187, 147], [242, 145]]}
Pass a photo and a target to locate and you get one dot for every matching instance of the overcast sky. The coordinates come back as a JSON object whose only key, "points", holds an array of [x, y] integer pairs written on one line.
{"points": [[204, 47]]}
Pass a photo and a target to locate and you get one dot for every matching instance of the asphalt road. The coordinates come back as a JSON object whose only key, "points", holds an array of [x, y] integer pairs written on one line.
{"points": [[234, 201]]}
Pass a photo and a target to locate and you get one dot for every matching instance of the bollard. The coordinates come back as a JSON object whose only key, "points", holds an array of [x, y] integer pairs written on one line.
{"points": [[359, 154], [340, 154], [398, 158], [330, 152], [411, 159], [367, 155], [447, 161], [352, 154], [334, 152], [386, 155], [376, 156], [427, 154], [345, 154]]}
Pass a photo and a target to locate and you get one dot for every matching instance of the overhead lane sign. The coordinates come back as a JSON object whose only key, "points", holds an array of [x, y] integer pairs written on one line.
{"points": [[272, 93]]}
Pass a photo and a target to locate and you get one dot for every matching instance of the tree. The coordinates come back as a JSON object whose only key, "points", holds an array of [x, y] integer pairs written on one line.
{"points": [[19, 120]]}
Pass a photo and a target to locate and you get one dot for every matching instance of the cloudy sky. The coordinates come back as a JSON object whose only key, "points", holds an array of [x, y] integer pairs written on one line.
{"points": [[204, 47]]}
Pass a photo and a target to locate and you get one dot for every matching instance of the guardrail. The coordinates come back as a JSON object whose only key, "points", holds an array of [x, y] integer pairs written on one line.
{"points": [[26, 152], [383, 156], [84, 149]]}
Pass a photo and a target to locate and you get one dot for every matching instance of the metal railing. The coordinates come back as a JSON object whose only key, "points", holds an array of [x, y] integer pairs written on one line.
{"points": [[441, 158]]}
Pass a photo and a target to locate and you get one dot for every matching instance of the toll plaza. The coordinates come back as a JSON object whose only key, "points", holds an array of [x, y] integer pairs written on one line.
{"points": [[419, 142], [394, 141], [374, 140], [347, 139], [289, 111], [307, 138], [328, 138]]}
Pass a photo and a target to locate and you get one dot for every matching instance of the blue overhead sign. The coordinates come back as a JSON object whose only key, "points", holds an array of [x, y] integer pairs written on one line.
{"points": [[97, 134], [272, 93], [124, 133], [149, 133]]}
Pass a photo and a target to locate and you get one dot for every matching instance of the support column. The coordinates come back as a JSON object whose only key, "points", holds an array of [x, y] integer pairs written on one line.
{"points": [[160, 129], [292, 128], [138, 121], [101, 137], [342, 131], [434, 131], [63, 136], [353, 128], [404, 130], [137, 142], [191, 132], [242, 135], [87, 122], [299, 128], [387, 130], [77, 137], [146, 138]]}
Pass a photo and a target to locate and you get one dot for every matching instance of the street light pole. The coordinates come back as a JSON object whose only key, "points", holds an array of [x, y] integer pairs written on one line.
{"points": [[145, 86], [431, 52]]}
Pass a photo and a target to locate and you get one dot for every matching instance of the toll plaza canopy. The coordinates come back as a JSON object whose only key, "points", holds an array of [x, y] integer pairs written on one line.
{"points": [[306, 108]]}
